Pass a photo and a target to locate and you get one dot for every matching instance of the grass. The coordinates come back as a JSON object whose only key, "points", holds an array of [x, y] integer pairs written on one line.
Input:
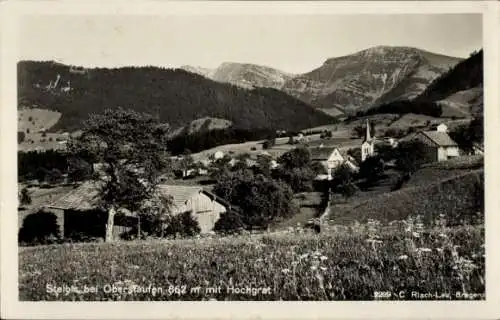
{"points": [[458, 197], [341, 263]]}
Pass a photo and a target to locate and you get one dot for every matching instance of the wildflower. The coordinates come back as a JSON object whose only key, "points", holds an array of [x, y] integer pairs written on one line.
{"points": [[416, 234], [313, 268], [294, 263], [440, 250], [323, 268], [442, 235], [403, 257], [423, 250], [285, 271], [323, 258], [304, 256]]}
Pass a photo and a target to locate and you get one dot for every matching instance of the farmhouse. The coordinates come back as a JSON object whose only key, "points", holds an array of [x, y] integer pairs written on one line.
{"points": [[439, 145], [78, 212], [331, 158]]}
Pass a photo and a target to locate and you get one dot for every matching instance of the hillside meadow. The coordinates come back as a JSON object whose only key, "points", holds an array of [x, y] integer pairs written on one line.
{"points": [[406, 260]]}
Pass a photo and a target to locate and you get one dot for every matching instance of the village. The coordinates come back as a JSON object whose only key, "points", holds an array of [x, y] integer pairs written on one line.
{"points": [[191, 186]]}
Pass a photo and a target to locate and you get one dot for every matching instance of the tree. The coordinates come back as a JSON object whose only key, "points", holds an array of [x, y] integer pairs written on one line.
{"points": [[295, 158], [299, 179], [25, 197], [371, 170], [410, 155], [21, 136], [154, 215], [39, 228], [131, 148], [347, 190], [229, 222], [183, 225], [342, 181], [467, 135], [261, 200]]}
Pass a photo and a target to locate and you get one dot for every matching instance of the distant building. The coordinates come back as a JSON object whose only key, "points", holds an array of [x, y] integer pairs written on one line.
{"points": [[78, 212], [331, 158], [368, 145], [218, 155], [439, 145]]}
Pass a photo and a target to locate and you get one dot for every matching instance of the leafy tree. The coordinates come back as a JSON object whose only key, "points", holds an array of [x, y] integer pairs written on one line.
{"points": [[229, 222], [347, 190], [467, 135], [385, 151], [25, 197], [155, 215], [183, 225], [263, 166], [295, 158], [371, 170], [318, 168], [39, 228], [410, 156], [261, 200], [21, 136], [131, 148], [342, 175], [220, 167], [299, 179]]}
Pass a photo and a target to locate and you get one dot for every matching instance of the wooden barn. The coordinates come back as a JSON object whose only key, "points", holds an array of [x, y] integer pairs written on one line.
{"points": [[439, 145], [78, 214]]}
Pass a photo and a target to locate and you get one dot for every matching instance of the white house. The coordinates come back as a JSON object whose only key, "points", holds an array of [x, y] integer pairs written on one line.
{"points": [[331, 158], [218, 155]]}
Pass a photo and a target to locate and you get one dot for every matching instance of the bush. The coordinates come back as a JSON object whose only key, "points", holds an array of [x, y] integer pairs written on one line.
{"points": [[25, 198], [39, 228], [229, 222], [21, 136], [184, 225]]}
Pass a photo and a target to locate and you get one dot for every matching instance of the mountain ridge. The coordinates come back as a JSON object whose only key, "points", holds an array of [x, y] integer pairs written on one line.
{"points": [[175, 95]]}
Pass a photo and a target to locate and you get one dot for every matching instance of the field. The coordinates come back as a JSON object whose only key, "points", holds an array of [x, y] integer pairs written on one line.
{"points": [[33, 122], [363, 262]]}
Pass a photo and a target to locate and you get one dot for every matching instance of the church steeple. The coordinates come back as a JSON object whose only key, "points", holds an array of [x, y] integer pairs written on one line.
{"points": [[368, 136], [367, 147]]}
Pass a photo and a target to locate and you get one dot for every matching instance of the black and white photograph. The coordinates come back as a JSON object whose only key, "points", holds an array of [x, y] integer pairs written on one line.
{"points": [[250, 157]]}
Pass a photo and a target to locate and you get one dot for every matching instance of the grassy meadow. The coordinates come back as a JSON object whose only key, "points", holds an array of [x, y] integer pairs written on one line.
{"points": [[403, 260]]}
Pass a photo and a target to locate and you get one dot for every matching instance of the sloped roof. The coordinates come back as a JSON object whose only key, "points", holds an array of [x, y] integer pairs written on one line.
{"points": [[180, 194], [84, 197], [440, 138], [322, 153]]}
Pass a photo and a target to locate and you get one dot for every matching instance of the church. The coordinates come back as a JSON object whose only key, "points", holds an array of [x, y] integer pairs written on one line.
{"points": [[368, 145]]}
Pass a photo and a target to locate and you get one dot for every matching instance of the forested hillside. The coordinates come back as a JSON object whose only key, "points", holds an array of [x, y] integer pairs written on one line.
{"points": [[176, 96]]}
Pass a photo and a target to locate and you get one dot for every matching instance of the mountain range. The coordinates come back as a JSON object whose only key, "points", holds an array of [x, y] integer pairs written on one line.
{"points": [[176, 96], [345, 84], [252, 97]]}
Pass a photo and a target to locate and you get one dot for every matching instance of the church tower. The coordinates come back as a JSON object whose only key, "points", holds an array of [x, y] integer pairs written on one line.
{"points": [[367, 147]]}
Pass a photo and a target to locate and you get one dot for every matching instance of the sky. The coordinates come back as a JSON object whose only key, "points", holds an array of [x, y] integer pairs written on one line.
{"points": [[292, 43]]}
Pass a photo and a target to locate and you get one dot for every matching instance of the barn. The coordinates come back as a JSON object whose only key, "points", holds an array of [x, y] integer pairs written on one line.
{"points": [[439, 145], [78, 214]]}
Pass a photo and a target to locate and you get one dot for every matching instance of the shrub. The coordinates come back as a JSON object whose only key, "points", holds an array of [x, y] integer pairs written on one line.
{"points": [[184, 225], [21, 136], [39, 228], [229, 222], [25, 198]]}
